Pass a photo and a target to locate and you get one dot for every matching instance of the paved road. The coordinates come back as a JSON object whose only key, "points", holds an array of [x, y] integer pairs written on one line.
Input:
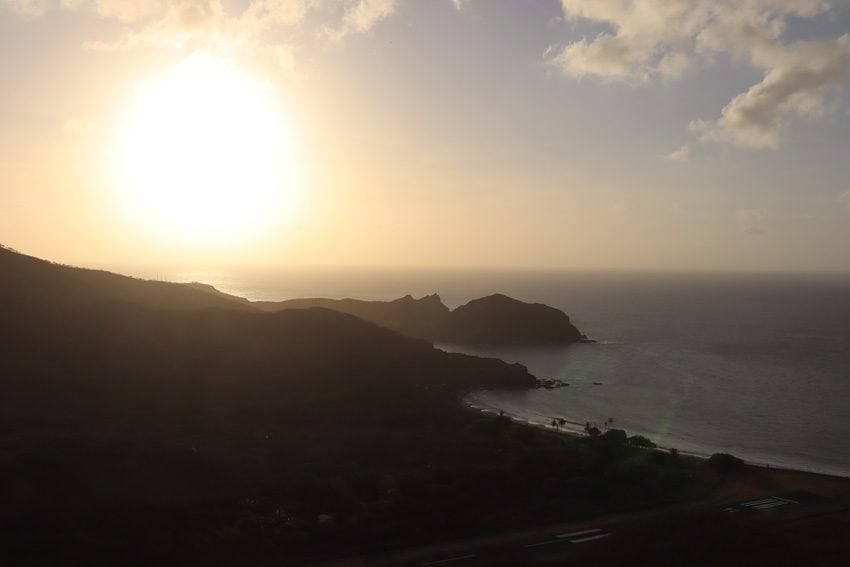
{"points": [[603, 540]]}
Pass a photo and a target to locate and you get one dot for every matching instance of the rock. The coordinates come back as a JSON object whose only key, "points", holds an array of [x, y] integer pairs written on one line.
{"points": [[501, 321], [496, 320]]}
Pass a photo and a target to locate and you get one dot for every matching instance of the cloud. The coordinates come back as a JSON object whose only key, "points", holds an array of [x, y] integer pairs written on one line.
{"points": [[360, 16], [122, 10], [844, 199], [175, 24], [186, 22], [799, 84], [683, 153], [215, 24], [27, 9], [275, 30], [267, 14], [645, 38], [650, 40]]}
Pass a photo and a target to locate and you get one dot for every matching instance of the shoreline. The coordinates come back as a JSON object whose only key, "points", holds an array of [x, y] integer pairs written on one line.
{"points": [[579, 433]]}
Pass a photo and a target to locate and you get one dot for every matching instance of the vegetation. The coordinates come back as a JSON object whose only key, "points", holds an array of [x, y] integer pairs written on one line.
{"points": [[641, 441], [224, 487], [725, 463]]}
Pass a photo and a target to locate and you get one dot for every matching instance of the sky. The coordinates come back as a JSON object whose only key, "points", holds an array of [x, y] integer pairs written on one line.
{"points": [[616, 134]]}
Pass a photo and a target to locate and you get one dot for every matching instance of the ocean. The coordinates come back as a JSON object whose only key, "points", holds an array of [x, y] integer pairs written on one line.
{"points": [[756, 365]]}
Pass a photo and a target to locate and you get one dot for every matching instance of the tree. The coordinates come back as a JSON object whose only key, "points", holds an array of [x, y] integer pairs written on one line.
{"points": [[725, 463], [592, 430], [616, 437]]}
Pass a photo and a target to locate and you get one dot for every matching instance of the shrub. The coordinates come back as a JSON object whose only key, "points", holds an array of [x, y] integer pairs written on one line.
{"points": [[725, 463], [592, 430], [616, 437]]}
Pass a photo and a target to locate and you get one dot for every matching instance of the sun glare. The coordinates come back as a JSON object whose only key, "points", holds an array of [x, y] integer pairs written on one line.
{"points": [[206, 155]]}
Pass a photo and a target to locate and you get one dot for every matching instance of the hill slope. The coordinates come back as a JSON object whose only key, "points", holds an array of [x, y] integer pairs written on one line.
{"points": [[419, 318], [80, 344], [151, 423], [25, 280]]}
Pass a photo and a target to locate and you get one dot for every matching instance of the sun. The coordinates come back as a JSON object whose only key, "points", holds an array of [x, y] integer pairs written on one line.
{"points": [[205, 154]]}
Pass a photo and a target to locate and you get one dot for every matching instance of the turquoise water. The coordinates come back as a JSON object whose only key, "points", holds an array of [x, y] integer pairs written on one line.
{"points": [[754, 365]]}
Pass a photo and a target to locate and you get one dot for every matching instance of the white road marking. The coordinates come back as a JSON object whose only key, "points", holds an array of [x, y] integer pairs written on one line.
{"points": [[763, 504], [589, 538], [757, 502], [574, 537], [787, 500], [550, 542], [769, 505]]}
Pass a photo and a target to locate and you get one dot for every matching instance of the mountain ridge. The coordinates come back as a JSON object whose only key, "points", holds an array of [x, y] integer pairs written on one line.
{"points": [[496, 320], [80, 344]]}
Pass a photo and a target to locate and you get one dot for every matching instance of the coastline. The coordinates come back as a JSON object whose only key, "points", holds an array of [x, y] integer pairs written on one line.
{"points": [[575, 429]]}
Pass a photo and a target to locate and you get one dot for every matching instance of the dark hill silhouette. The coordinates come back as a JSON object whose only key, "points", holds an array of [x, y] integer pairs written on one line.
{"points": [[419, 318], [493, 320], [207, 288], [502, 320], [82, 344], [28, 280]]}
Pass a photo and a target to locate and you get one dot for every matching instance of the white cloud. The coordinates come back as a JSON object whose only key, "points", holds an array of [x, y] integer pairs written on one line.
{"points": [[360, 16], [176, 24], [799, 84], [275, 30], [683, 153], [647, 40], [605, 56], [844, 199], [214, 24], [27, 9], [122, 10], [646, 37], [266, 14]]}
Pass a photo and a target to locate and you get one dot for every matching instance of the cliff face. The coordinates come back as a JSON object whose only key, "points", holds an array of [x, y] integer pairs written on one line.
{"points": [[494, 320]]}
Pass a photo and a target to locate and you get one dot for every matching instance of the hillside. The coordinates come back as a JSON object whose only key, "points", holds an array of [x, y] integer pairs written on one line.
{"points": [[419, 318], [86, 344], [25, 280], [145, 422]]}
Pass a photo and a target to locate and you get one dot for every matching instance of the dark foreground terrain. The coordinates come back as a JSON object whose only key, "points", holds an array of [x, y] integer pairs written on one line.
{"points": [[146, 422]]}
